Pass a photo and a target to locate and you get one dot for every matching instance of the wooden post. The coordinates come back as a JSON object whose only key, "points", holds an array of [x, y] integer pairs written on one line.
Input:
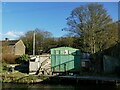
{"points": [[116, 83], [96, 81], [77, 79], [65, 68]]}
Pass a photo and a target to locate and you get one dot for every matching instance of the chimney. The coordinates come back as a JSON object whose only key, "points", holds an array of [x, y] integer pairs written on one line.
{"points": [[6, 39]]}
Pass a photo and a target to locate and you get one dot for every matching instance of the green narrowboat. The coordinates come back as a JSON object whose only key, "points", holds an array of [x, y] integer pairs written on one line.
{"points": [[65, 59]]}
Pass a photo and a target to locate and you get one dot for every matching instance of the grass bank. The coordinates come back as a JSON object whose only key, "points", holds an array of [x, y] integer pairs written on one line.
{"points": [[18, 77]]}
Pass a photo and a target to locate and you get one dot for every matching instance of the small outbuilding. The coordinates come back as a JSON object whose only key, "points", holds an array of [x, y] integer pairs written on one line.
{"points": [[65, 59], [12, 47], [110, 64]]}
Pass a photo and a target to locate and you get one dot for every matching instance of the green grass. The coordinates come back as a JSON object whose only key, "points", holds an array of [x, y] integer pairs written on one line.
{"points": [[18, 77]]}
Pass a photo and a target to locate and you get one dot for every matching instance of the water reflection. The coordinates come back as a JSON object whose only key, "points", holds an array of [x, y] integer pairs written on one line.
{"points": [[8, 86]]}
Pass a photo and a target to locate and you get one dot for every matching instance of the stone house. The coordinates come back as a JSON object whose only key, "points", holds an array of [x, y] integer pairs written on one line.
{"points": [[12, 47]]}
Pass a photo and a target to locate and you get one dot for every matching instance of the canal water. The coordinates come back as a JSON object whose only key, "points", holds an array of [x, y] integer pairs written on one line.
{"points": [[9, 86]]}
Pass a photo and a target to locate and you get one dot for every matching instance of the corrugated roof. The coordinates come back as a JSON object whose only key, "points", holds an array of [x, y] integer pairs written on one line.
{"points": [[64, 48], [9, 42]]}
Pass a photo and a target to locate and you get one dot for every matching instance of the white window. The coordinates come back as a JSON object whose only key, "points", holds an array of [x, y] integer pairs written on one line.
{"points": [[83, 64], [66, 52]]}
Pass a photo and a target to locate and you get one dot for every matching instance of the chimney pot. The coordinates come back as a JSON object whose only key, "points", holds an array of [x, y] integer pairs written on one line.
{"points": [[6, 39]]}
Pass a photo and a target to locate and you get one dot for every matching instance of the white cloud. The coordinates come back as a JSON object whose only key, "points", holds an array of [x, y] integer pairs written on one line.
{"points": [[0, 36], [13, 34], [21, 33]]}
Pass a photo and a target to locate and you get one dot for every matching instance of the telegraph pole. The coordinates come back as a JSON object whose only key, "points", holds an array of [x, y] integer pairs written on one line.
{"points": [[33, 42]]}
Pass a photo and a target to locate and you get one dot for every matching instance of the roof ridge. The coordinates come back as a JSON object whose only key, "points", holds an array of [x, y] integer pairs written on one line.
{"points": [[9, 42]]}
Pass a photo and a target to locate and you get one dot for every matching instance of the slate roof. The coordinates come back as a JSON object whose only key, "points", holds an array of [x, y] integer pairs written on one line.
{"points": [[9, 42]]}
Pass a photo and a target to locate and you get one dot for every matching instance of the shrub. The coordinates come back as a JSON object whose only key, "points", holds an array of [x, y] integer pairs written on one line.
{"points": [[22, 59], [8, 58], [3, 67]]}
